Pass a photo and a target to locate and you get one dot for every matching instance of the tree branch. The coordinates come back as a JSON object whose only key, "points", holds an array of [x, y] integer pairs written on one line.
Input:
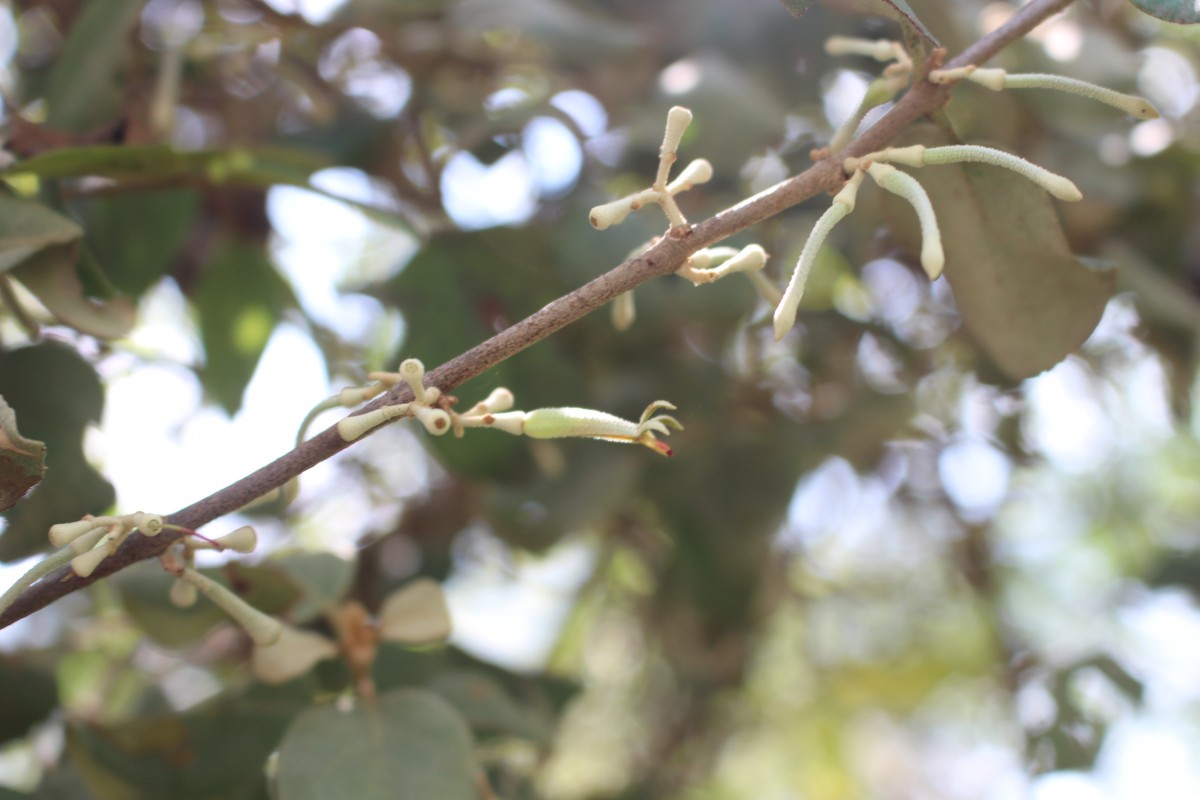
{"points": [[662, 259]]}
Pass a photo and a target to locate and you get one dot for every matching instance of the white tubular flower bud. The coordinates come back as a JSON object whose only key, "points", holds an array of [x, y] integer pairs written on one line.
{"points": [[1057, 185], [911, 156], [353, 428], [146, 524], [262, 628], [85, 564], [750, 258], [609, 214], [354, 395], [64, 532], [678, 119], [1133, 105], [240, 540], [435, 420], [508, 421], [878, 49], [933, 258], [413, 373], [500, 399], [697, 172], [87, 541]]}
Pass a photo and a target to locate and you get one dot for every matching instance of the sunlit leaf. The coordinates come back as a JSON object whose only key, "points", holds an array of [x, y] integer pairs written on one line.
{"points": [[409, 745], [22, 461], [1184, 12], [240, 302]]}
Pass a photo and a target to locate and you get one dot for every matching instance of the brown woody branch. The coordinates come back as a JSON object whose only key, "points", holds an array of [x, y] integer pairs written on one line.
{"points": [[662, 259]]}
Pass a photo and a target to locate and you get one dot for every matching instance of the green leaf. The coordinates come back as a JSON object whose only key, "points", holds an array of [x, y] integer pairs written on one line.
{"points": [[136, 236], [56, 394], [909, 20], [488, 708], [31, 695], [212, 752], [1023, 296], [85, 89], [22, 461], [321, 578], [40, 247], [409, 745], [1184, 12], [240, 301]]}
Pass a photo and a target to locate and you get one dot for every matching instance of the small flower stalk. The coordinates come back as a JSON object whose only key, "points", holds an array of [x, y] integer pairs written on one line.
{"points": [[660, 192], [999, 79]]}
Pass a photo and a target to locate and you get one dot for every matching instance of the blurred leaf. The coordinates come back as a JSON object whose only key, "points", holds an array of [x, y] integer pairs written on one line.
{"points": [[156, 164], [85, 89], [409, 745], [136, 236], [212, 752], [31, 695], [51, 276], [1184, 12], [28, 229], [797, 8], [488, 708], [910, 21], [573, 35], [40, 248], [56, 394], [322, 579], [22, 461], [240, 301], [1022, 294], [144, 588]]}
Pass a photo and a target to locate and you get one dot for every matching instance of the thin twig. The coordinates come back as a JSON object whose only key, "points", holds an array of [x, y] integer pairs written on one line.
{"points": [[662, 259]]}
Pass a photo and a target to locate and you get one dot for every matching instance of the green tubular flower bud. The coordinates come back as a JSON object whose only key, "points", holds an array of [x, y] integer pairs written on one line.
{"points": [[789, 304], [933, 258], [1056, 185], [785, 312], [1133, 105]]}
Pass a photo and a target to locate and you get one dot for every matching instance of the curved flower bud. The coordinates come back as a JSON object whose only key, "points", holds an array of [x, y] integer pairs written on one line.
{"points": [[64, 532], [354, 427], [933, 258]]}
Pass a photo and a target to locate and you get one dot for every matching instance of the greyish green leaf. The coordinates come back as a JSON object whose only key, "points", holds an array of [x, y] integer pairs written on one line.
{"points": [[409, 745], [1183, 12], [1024, 297]]}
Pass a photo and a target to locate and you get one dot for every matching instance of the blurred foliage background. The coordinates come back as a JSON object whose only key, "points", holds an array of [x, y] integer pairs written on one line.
{"points": [[877, 567]]}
